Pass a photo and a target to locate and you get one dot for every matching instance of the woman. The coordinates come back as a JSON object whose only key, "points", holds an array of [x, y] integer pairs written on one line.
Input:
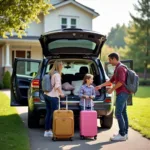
{"points": [[51, 98]]}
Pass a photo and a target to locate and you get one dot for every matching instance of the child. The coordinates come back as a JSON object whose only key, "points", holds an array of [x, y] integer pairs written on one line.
{"points": [[87, 93]]}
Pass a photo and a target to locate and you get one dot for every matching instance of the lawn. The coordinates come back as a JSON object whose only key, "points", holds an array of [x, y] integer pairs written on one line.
{"points": [[13, 135], [139, 113]]}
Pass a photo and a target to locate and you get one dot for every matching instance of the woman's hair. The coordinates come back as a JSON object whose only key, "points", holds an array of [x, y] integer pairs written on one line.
{"points": [[56, 67], [87, 76]]}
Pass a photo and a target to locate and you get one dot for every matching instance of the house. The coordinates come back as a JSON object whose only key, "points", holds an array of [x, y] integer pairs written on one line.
{"points": [[67, 13]]}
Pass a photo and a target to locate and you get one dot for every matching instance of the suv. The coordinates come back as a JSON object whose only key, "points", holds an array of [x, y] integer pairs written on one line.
{"points": [[79, 50]]}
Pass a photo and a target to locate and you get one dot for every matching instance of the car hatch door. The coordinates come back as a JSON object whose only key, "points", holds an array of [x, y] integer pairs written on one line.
{"points": [[110, 71], [24, 70]]}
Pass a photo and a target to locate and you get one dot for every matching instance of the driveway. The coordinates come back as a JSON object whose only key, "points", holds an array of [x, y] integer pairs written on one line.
{"points": [[38, 142]]}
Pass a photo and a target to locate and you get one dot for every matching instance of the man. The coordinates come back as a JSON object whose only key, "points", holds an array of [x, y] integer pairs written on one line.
{"points": [[119, 78]]}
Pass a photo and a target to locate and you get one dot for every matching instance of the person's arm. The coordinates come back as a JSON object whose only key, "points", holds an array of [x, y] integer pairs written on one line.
{"points": [[104, 84], [57, 84], [93, 93], [81, 93], [120, 80]]}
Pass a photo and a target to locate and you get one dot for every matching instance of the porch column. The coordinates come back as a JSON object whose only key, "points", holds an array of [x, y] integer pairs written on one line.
{"points": [[7, 56]]}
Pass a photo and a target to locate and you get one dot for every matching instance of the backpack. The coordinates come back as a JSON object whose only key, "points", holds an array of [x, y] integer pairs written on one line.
{"points": [[132, 81], [46, 83]]}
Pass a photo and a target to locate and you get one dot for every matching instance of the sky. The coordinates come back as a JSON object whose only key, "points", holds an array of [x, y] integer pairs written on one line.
{"points": [[111, 13]]}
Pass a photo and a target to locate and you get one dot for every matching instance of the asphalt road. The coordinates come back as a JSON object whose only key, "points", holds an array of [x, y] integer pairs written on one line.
{"points": [[39, 142]]}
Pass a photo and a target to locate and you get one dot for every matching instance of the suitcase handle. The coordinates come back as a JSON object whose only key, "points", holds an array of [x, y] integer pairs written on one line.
{"points": [[84, 104], [66, 103]]}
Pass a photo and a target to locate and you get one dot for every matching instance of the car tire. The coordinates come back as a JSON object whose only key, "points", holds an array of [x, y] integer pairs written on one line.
{"points": [[107, 121], [33, 120]]}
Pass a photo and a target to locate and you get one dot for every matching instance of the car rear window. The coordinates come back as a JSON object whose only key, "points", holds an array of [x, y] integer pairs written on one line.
{"points": [[76, 43]]}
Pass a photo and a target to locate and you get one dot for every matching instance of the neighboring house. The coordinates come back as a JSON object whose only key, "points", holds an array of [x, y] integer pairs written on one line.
{"points": [[67, 14]]}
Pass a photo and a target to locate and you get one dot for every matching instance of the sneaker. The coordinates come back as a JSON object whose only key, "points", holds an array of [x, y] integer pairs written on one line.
{"points": [[48, 134], [125, 135], [118, 138]]}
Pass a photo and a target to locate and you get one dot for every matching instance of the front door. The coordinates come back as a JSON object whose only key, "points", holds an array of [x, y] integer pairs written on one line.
{"points": [[110, 71]]}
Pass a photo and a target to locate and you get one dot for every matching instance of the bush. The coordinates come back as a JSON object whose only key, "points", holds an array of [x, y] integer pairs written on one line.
{"points": [[1, 85], [6, 80], [144, 82]]}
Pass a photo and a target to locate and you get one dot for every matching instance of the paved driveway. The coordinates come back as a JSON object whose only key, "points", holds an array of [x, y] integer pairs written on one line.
{"points": [[38, 142]]}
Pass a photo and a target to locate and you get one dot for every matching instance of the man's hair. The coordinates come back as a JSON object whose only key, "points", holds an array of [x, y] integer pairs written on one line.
{"points": [[113, 55]]}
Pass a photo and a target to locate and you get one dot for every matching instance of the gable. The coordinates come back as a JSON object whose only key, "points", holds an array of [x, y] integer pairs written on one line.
{"points": [[79, 5]]}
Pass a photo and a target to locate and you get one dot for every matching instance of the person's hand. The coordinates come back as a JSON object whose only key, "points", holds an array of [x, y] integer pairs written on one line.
{"points": [[86, 96], [62, 95], [109, 91], [98, 87], [91, 97]]}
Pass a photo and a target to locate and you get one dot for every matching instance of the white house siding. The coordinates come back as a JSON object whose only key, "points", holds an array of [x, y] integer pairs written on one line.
{"points": [[53, 20], [36, 29], [55, 1], [36, 53]]}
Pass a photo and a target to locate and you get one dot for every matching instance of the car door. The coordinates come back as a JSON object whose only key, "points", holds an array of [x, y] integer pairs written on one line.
{"points": [[110, 70], [24, 70]]}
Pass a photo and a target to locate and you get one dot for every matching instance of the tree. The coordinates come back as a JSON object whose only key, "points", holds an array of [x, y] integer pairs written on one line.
{"points": [[116, 36], [138, 39], [15, 15]]}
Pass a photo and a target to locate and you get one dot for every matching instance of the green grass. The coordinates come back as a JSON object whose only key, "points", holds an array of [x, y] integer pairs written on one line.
{"points": [[13, 135], [139, 113]]}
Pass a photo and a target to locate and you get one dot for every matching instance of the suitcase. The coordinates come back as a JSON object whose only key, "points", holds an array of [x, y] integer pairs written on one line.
{"points": [[88, 123], [63, 123]]}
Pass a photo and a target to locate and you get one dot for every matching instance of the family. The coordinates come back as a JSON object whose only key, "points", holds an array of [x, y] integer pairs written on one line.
{"points": [[87, 94]]}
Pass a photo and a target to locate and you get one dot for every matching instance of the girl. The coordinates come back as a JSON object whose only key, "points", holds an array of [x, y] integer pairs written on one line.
{"points": [[51, 98], [87, 93]]}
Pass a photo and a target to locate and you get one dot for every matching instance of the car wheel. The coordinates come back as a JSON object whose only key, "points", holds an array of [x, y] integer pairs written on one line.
{"points": [[33, 120], [107, 121]]}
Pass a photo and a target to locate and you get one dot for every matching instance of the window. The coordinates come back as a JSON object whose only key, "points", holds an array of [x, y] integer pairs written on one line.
{"points": [[68, 22], [73, 23], [64, 23], [80, 43]]}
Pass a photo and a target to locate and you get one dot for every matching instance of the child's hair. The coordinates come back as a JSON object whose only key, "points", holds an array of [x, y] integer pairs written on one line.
{"points": [[87, 76]]}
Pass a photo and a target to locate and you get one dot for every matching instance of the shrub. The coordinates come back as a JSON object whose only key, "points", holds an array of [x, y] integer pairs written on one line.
{"points": [[6, 80], [1, 85], [144, 82]]}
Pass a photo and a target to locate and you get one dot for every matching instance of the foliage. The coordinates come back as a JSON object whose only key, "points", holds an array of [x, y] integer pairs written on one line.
{"points": [[139, 116], [6, 80], [116, 36], [1, 85], [138, 39], [14, 135], [15, 15]]}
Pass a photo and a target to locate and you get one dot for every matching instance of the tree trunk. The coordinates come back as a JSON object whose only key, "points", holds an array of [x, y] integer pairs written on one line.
{"points": [[145, 71]]}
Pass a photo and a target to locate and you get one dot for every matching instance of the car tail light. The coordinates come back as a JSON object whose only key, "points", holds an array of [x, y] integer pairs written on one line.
{"points": [[36, 100], [35, 83], [107, 100]]}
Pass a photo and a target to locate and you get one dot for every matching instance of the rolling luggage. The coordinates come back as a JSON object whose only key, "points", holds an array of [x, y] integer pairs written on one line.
{"points": [[88, 123], [63, 123]]}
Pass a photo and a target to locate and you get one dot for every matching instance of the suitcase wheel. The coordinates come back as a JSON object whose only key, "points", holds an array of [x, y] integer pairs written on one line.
{"points": [[54, 138], [95, 137], [71, 139], [81, 137]]}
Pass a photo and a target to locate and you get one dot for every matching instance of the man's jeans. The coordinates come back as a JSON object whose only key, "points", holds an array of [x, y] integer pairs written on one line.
{"points": [[51, 106], [121, 112], [86, 108]]}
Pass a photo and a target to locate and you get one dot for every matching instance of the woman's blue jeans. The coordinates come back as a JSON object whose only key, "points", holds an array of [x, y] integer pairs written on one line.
{"points": [[51, 106], [121, 112]]}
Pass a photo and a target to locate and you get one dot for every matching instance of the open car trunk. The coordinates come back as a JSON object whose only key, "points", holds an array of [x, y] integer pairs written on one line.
{"points": [[72, 77]]}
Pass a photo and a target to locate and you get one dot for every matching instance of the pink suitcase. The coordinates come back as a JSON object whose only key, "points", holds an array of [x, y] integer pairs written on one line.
{"points": [[88, 124]]}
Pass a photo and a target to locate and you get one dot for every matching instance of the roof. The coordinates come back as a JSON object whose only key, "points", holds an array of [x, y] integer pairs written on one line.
{"points": [[89, 10]]}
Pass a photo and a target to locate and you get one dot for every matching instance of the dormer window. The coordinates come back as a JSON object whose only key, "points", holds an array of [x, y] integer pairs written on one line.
{"points": [[68, 22]]}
